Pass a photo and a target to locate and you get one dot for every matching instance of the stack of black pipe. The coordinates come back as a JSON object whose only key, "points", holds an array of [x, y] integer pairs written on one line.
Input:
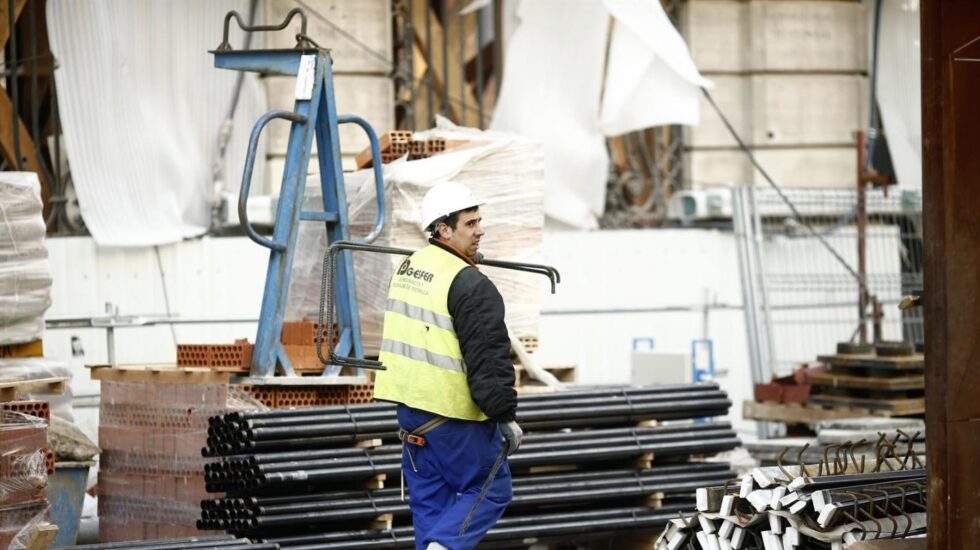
{"points": [[219, 542], [326, 427], [291, 476], [512, 531]]}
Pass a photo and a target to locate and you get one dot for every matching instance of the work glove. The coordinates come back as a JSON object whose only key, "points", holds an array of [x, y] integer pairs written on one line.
{"points": [[513, 434]]}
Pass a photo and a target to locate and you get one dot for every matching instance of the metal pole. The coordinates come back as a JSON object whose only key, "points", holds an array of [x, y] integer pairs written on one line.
{"points": [[479, 68], [462, 68], [758, 234], [429, 78], [14, 93], [110, 336], [862, 224], [498, 46], [746, 273], [444, 16]]}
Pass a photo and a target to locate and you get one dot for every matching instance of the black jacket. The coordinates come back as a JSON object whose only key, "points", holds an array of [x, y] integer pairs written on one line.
{"points": [[477, 309]]}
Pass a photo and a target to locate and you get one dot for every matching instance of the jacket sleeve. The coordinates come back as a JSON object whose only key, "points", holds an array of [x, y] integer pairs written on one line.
{"points": [[477, 309]]}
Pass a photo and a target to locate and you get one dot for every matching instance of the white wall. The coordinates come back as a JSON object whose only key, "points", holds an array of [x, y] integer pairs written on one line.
{"points": [[608, 274], [601, 271], [206, 278]]}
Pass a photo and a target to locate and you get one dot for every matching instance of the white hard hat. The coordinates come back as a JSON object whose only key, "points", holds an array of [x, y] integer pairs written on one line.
{"points": [[444, 199]]}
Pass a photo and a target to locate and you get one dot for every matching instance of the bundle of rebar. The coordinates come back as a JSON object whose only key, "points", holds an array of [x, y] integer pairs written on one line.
{"points": [[218, 542], [295, 478], [832, 504], [324, 427]]}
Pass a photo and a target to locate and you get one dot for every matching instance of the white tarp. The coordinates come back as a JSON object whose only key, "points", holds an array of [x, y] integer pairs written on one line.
{"points": [[141, 105], [553, 82], [899, 90], [651, 79]]}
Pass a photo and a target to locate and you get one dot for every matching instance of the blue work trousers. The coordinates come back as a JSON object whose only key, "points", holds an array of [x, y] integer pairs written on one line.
{"points": [[445, 476]]}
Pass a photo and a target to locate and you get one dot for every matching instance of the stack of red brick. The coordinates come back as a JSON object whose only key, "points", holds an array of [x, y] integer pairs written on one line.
{"points": [[794, 388], [298, 338], [235, 357], [25, 464], [396, 144], [279, 397], [151, 476]]}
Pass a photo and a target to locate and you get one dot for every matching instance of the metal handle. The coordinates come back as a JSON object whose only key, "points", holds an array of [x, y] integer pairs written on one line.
{"points": [[541, 269], [253, 142], [300, 42], [379, 184], [325, 318]]}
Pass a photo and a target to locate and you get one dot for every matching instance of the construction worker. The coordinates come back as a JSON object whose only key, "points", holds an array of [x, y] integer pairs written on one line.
{"points": [[447, 353]]}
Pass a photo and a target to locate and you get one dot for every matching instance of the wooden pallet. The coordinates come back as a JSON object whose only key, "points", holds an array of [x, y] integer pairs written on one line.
{"points": [[382, 522], [564, 372], [11, 390], [796, 413], [174, 374], [885, 406], [41, 537], [375, 482], [912, 362], [834, 379], [162, 372]]}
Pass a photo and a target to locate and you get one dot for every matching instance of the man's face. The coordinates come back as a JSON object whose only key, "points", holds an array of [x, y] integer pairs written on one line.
{"points": [[466, 237]]}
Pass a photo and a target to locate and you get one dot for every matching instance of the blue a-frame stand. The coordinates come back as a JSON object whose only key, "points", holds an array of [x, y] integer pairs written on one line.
{"points": [[314, 112]]}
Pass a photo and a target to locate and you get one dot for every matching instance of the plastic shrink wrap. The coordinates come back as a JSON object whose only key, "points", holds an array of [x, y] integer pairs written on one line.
{"points": [[25, 278], [23, 477], [151, 472], [504, 171], [39, 368]]}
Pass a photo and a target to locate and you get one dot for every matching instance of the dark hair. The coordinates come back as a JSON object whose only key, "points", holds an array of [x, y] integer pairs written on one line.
{"points": [[450, 220]]}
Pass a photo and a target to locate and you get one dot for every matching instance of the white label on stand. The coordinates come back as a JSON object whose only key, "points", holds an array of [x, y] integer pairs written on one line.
{"points": [[305, 77]]}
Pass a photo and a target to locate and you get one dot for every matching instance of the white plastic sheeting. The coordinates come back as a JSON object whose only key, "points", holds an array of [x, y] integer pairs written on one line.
{"points": [[553, 83], [503, 170], [141, 106], [899, 89], [25, 276], [651, 79], [37, 368]]}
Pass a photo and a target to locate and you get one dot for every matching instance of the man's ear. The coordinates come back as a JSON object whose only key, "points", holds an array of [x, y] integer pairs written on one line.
{"points": [[443, 230]]}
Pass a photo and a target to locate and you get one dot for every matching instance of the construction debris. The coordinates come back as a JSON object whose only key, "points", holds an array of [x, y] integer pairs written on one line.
{"points": [[68, 442]]}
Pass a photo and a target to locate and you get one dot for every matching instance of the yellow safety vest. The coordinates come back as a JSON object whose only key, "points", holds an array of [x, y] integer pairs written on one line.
{"points": [[419, 346]]}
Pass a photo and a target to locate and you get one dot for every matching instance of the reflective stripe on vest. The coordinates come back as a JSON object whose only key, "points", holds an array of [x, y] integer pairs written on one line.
{"points": [[425, 368]]}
